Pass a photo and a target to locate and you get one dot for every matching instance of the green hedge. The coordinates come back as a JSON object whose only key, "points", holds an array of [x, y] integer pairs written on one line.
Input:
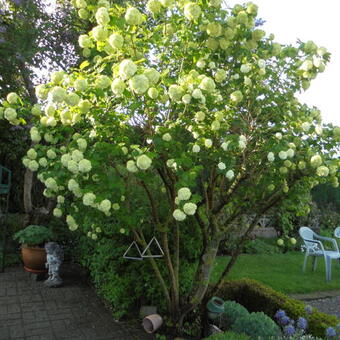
{"points": [[257, 297], [228, 336]]}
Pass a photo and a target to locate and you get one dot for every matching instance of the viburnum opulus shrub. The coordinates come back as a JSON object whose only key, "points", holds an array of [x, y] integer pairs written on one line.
{"points": [[184, 115]]}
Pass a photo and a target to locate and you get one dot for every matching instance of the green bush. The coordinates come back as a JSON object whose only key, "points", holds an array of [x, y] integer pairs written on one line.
{"points": [[257, 297], [228, 336], [257, 325], [232, 312], [258, 246], [33, 235]]}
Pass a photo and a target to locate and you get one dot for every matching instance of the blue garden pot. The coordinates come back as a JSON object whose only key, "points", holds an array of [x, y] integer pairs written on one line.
{"points": [[215, 307]]}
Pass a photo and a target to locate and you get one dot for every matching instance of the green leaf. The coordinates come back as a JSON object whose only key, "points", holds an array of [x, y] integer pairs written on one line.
{"points": [[84, 64]]}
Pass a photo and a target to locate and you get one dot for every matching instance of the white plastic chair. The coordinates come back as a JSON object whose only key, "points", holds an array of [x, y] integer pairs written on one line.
{"points": [[314, 247]]}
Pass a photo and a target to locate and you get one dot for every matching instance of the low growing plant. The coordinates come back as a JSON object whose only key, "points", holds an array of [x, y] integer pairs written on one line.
{"points": [[34, 235]]}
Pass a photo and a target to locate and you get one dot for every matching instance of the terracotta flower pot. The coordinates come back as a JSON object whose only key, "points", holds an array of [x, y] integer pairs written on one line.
{"points": [[152, 322], [34, 259]]}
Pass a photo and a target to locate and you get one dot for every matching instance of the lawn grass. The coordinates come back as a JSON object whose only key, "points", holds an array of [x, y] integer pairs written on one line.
{"points": [[282, 272]]}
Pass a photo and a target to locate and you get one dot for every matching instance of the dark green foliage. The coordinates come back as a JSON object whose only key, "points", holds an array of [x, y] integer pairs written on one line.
{"points": [[34, 235], [125, 284], [228, 336], [325, 195], [257, 325], [258, 246], [232, 312], [257, 297]]}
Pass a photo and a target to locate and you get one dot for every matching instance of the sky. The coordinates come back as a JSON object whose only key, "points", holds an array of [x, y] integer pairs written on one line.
{"points": [[314, 20]]}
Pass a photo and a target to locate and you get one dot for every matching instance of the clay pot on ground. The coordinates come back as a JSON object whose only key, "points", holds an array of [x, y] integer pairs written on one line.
{"points": [[152, 322], [34, 259]]}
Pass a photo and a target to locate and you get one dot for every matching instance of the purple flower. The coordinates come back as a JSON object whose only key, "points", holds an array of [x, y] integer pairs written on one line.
{"points": [[289, 330], [330, 332], [309, 309], [285, 320], [279, 314], [302, 323]]}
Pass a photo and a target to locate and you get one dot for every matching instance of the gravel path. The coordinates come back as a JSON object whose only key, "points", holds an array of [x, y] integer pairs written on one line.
{"points": [[329, 306]]}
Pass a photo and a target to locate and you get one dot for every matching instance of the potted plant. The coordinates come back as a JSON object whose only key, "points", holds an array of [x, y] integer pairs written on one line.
{"points": [[32, 240]]}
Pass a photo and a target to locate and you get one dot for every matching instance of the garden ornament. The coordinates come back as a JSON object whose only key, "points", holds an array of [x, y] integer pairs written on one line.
{"points": [[55, 257], [126, 256], [161, 253]]}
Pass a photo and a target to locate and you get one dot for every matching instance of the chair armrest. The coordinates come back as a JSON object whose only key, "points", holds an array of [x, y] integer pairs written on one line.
{"points": [[332, 240], [315, 241]]}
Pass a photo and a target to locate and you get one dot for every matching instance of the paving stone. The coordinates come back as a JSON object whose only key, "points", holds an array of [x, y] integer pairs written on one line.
{"points": [[31, 311]]}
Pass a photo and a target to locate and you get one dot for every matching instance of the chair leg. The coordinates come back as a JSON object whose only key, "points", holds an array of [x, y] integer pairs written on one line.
{"points": [[304, 263], [328, 262], [315, 262]]}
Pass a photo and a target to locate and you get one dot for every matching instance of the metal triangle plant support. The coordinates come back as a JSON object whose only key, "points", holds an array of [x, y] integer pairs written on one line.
{"points": [[148, 247], [125, 256]]}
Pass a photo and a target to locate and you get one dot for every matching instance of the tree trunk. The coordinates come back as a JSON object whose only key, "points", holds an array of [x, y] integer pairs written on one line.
{"points": [[28, 207]]}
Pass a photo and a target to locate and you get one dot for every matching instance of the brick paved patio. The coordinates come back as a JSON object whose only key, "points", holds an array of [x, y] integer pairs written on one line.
{"points": [[30, 311]]}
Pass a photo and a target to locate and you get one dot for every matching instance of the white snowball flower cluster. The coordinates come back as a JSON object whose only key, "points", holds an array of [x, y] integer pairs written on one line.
{"points": [[116, 41], [154, 6], [214, 29], [305, 126], [196, 148], [51, 184], [127, 69], [176, 92], [105, 206], [245, 68], [51, 154], [179, 215], [82, 144], [322, 171], [33, 165], [283, 155], [118, 86], [41, 91], [57, 94], [32, 154], [36, 110], [271, 156], [208, 143], [61, 199], [84, 166], [133, 16], [236, 96], [189, 208], [143, 162], [221, 166], [77, 155], [57, 212], [207, 84], [72, 185], [199, 116], [139, 84], [131, 166], [290, 153], [84, 41], [11, 115], [89, 198], [316, 161], [71, 223], [192, 11], [153, 75], [99, 33], [81, 85], [167, 137], [72, 99], [184, 194], [102, 82], [43, 162], [230, 174], [12, 98], [102, 16], [65, 159]]}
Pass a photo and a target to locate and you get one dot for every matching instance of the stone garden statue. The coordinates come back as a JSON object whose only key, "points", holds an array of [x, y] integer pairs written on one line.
{"points": [[55, 257]]}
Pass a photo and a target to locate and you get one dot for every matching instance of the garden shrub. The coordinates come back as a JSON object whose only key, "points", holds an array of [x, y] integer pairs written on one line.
{"points": [[228, 336], [232, 312], [257, 297], [257, 325], [258, 246]]}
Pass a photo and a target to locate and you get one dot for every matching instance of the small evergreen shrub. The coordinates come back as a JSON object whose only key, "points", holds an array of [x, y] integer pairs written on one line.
{"points": [[257, 326], [257, 297], [232, 312], [228, 336], [34, 235]]}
